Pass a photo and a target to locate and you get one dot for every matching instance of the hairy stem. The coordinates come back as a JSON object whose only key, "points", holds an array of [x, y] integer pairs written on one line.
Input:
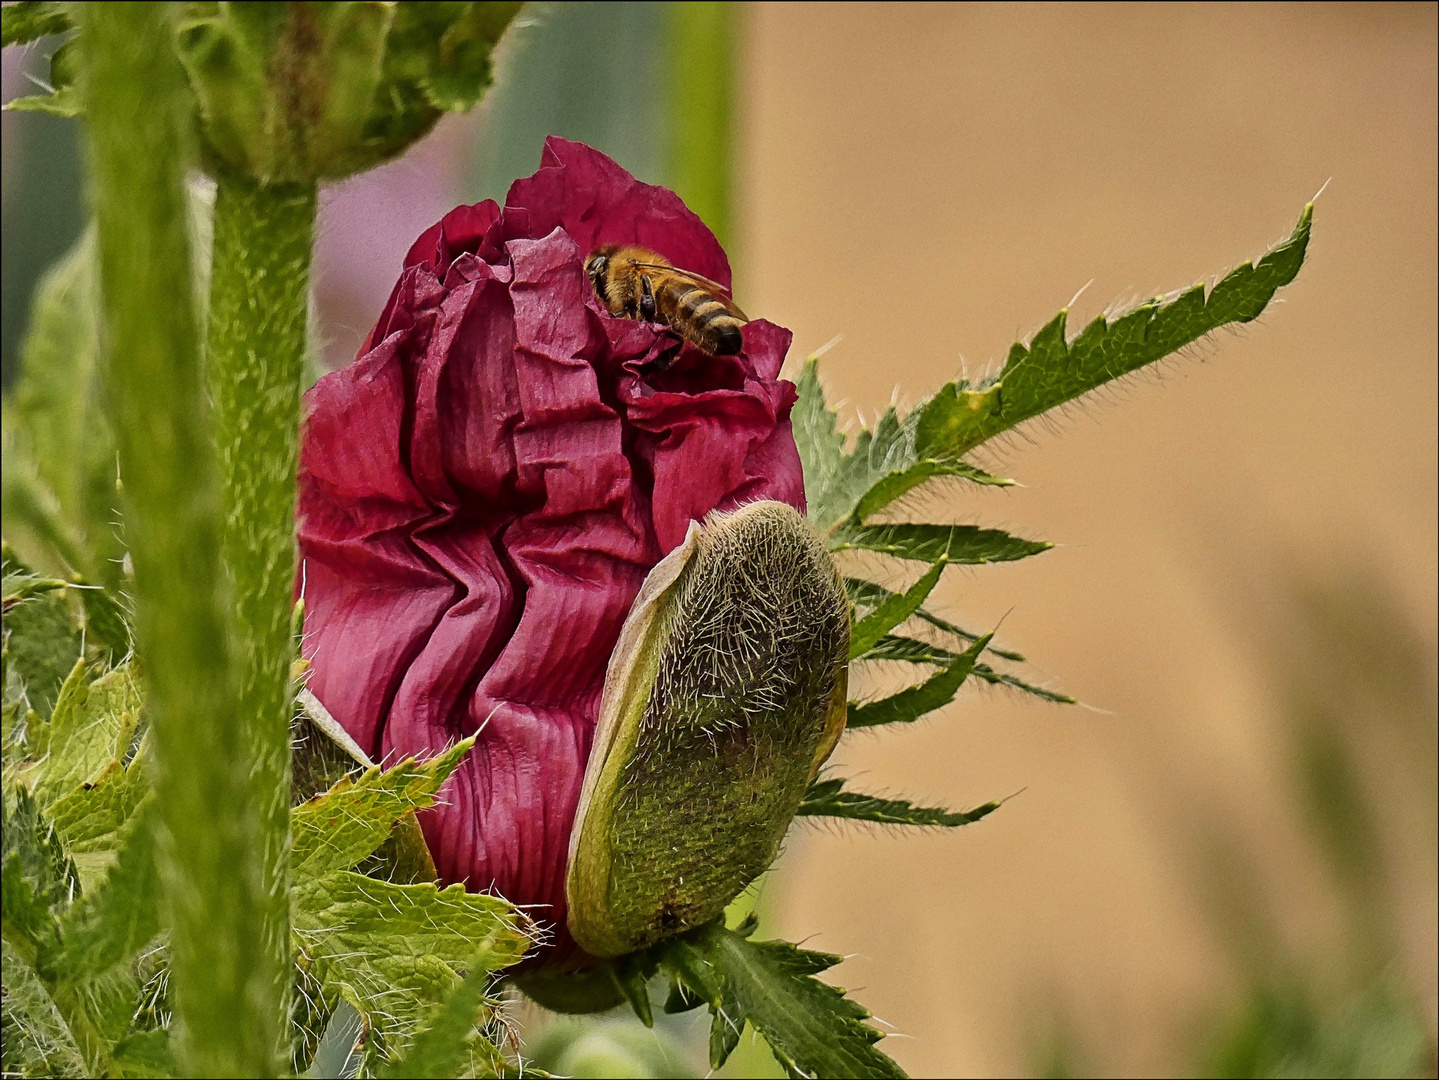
{"points": [[259, 292], [226, 1006]]}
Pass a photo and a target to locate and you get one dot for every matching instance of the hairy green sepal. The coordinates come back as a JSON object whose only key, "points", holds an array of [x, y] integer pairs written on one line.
{"points": [[724, 696]]}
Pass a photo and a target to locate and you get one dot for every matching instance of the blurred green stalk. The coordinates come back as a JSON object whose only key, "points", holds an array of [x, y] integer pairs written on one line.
{"points": [[701, 108], [227, 1014], [259, 308]]}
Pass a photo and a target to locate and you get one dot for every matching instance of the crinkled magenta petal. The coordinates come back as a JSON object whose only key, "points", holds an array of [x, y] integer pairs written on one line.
{"points": [[596, 202]]}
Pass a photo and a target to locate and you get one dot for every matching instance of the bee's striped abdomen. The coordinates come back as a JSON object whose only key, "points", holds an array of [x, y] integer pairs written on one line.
{"points": [[705, 320]]}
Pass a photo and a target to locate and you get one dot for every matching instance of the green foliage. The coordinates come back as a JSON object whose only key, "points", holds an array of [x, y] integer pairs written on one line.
{"points": [[392, 950], [61, 486], [898, 455], [352, 819], [64, 434], [827, 798], [867, 595], [108, 928], [936, 543], [847, 486], [891, 610], [43, 644], [82, 904], [91, 727], [1281, 1031], [885, 463], [909, 705], [24, 22], [29, 21], [446, 1045], [812, 1028], [61, 946], [1053, 369]]}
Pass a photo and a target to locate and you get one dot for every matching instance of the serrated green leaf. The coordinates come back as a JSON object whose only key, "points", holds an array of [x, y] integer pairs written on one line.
{"points": [[1053, 370], [632, 974], [393, 950], [108, 926], [91, 817], [997, 678], [37, 879], [910, 651], [879, 454], [64, 102], [891, 611], [816, 434], [827, 798], [930, 543], [812, 1028], [30, 19], [92, 726], [36, 1041], [42, 648], [909, 705], [899, 482], [681, 999], [62, 429], [105, 622], [868, 595], [901, 453], [725, 1032], [24, 585], [886, 463], [146, 1054], [336, 830], [447, 1043]]}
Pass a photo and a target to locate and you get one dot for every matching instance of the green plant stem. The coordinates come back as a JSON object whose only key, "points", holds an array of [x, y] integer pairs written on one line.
{"points": [[259, 293], [226, 1008], [701, 107]]}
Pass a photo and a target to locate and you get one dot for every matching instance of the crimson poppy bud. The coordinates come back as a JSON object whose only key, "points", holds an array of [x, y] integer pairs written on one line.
{"points": [[485, 488]]}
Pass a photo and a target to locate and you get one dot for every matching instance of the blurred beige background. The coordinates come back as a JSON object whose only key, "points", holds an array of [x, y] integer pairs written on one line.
{"points": [[931, 182]]}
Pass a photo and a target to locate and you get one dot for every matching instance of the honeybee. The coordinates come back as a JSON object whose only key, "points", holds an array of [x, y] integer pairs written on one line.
{"points": [[641, 284]]}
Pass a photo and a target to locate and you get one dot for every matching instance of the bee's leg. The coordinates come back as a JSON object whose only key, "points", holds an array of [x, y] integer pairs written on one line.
{"points": [[647, 300]]}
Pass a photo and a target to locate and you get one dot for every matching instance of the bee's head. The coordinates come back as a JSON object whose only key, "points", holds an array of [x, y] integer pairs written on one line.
{"points": [[597, 267]]}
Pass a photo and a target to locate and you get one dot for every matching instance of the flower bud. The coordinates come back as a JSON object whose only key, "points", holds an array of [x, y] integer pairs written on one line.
{"points": [[725, 694], [299, 92]]}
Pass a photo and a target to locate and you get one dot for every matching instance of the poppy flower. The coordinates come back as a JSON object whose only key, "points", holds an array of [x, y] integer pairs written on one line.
{"points": [[485, 488]]}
